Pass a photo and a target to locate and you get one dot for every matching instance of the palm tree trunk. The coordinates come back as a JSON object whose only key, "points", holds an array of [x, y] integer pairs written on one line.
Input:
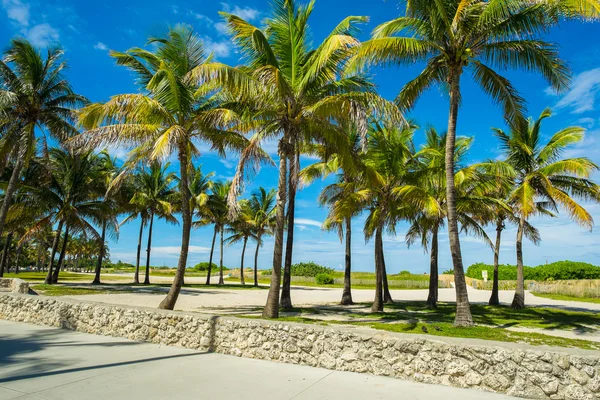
{"points": [[519, 299], [463, 316], [48, 280], [100, 254], [242, 278], [136, 276], [38, 262], [256, 260], [286, 296], [19, 249], [271, 309], [5, 253], [61, 257], [221, 282], [11, 188], [149, 249], [186, 216], [378, 302], [387, 296], [432, 298], [347, 293], [494, 298], [212, 249]]}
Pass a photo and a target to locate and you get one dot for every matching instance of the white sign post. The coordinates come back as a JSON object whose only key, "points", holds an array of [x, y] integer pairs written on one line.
{"points": [[484, 275]]}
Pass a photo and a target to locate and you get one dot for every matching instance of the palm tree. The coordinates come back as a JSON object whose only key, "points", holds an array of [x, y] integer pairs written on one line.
{"points": [[175, 111], [343, 203], [296, 94], [33, 93], [452, 37], [262, 213], [544, 181], [242, 229], [154, 193], [426, 197]]}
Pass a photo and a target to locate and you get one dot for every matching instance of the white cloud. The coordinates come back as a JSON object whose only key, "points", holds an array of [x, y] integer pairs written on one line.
{"points": [[17, 11], [309, 222], [226, 163], [246, 13], [202, 18], [173, 251], [221, 27], [583, 93], [42, 35], [101, 46], [219, 49]]}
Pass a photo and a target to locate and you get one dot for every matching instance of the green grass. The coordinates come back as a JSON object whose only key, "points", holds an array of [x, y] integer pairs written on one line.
{"points": [[555, 296], [62, 290], [40, 276]]}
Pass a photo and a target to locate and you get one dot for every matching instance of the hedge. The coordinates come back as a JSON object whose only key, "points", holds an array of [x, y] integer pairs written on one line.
{"points": [[559, 270]]}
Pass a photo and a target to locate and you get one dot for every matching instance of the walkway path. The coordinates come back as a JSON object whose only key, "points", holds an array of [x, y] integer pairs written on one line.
{"points": [[48, 363]]}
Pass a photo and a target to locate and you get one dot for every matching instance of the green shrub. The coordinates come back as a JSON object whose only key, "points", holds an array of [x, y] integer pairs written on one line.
{"points": [[266, 272], [324, 279], [309, 269], [448, 272], [560, 270], [404, 273], [203, 266]]}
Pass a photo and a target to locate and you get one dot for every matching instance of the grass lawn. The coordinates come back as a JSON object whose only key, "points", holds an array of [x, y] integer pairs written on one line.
{"points": [[491, 322], [40, 276], [555, 296]]}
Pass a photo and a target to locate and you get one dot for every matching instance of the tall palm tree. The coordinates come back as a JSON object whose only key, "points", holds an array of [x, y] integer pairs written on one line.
{"points": [[215, 212], [544, 181], [343, 203], [242, 229], [154, 193], [262, 212], [176, 110], [136, 212], [451, 37], [33, 94], [295, 94], [426, 195]]}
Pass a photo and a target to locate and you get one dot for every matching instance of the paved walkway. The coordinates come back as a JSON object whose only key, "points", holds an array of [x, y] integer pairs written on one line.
{"points": [[49, 363]]}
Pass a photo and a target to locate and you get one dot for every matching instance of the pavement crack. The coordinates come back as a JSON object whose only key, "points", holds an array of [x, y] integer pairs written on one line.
{"points": [[298, 394]]}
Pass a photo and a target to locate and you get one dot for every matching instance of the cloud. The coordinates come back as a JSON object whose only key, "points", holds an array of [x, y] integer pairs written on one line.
{"points": [[222, 28], [308, 222], [173, 251], [202, 18], [101, 46], [17, 11], [246, 13], [583, 93], [42, 35], [218, 48], [226, 163]]}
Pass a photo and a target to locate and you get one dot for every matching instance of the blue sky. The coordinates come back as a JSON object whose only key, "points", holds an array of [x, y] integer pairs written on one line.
{"points": [[88, 30]]}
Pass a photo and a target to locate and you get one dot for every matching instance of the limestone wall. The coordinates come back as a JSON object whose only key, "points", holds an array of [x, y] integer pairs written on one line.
{"points": [[518, 370], [15, 285]]}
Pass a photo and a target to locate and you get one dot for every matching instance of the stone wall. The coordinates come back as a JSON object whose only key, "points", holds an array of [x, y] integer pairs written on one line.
{"points": [[14, 285], [518, 370]]}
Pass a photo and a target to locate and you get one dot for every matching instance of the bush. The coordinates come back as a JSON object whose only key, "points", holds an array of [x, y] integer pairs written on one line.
{"points": [[203, 266], [266, 272], [309, 269], [324, 279], [448, 272], [404, 273], [560, 270]]}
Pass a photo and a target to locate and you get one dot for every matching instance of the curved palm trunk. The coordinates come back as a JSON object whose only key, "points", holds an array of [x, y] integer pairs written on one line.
{"points": [[19, 249], [3, 261], [100, 254], [61, 257], [432, 298], [186, 216], [10, 190], [378, 302], [212, 250], [519, 299], [286, 295], [136, 277], [347, 293], [463, 309], [48, 279], [271, 309], [148, 250], [242, 278], [221, 282], [494, 298], [38, 262], [256, 260]]}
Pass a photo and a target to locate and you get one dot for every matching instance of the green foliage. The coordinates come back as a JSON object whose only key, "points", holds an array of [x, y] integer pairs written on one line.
{"points": [[203, 266], [324, 279], [560, 270], [404, 273], [118, 265], [310, 269], [448, 272]]}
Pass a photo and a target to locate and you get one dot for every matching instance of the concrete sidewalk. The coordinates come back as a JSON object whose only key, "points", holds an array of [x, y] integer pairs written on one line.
{"points": [[49, 363]]}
